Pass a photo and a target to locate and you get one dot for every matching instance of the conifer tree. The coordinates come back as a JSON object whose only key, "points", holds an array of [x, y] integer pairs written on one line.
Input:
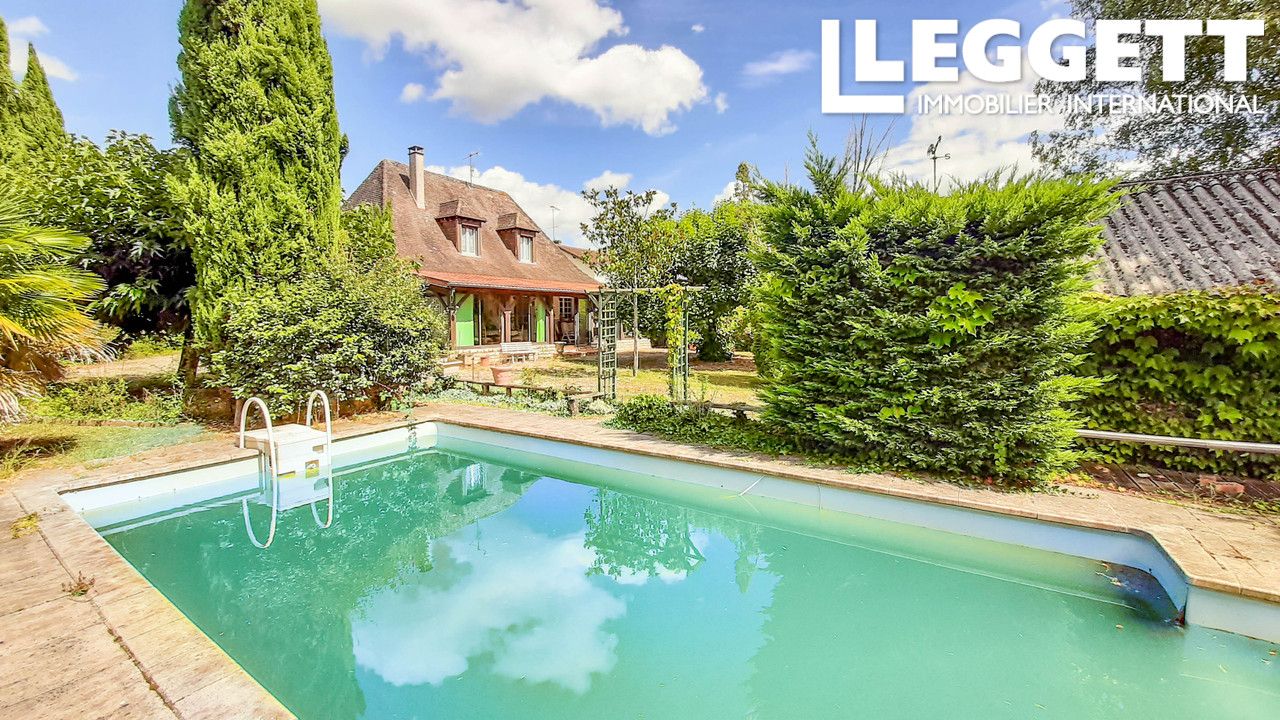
{"points": [[8, 97], [255, 106], [41, 119]]}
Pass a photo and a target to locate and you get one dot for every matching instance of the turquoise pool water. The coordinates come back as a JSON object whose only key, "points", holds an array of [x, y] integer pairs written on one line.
{"points": [[472, 582]]}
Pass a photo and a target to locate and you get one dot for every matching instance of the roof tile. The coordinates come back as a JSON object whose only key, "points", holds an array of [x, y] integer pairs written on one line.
{"points": [[420, 235], [1193, 232]]}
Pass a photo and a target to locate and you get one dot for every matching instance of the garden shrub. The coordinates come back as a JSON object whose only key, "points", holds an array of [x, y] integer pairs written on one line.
{"points": [[697, 424], [108, 399], [355, 333], [549, 401], [1192, 364], [930, 332]]}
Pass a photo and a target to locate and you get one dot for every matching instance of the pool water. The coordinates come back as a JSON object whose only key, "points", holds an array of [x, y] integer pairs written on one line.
{"points": [[471, 582]]}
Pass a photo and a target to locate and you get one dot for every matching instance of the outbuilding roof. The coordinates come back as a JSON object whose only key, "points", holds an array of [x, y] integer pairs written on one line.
{"points": [[1193, 232]]}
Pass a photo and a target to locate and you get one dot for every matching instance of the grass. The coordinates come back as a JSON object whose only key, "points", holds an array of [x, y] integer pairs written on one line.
{"points": [[152, 346], [24, 525], [52, 444], [146, 400], [732, 382]]}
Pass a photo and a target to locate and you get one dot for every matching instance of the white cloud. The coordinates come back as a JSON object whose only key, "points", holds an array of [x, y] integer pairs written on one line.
{"points": [[722, 103], [412, 92], [27, 27], [726, 193], [531, 608], [698, 27], [24, 30], [978, 144], [498, 57], [783, 62], [607, 179], [55, 68], [537, 198]]}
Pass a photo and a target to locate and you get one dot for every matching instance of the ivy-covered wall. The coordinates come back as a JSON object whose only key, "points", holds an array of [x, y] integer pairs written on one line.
{"points": [[1192, 364]]}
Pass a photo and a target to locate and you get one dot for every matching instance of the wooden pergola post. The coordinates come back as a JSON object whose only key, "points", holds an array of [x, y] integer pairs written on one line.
{"points": [[552, 317], [508, 308]]}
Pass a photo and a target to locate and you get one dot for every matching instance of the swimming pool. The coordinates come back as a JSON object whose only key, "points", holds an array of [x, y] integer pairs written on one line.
{"points": [[468, 574]]}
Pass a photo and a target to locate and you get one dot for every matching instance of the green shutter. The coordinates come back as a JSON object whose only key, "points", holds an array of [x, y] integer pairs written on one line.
{"points": [[466, 323], [540, 309], [584, 324]]}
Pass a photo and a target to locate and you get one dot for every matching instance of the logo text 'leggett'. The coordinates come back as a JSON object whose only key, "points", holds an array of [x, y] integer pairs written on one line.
{"points": [[1005, 63]]}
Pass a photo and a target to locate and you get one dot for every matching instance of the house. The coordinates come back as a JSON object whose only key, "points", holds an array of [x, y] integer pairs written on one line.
{"points": [[1193, 232], [586, 260], [497, 276]]}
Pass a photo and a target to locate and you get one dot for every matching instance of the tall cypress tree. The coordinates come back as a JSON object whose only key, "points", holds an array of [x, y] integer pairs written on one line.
{"points": [[256, 108], [8, 98], [40, 117]]}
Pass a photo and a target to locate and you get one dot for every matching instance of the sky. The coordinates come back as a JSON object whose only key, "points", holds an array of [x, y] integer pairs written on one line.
{"points": [[554, 95]]}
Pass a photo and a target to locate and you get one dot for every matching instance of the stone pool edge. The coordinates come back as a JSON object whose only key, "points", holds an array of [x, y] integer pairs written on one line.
{"points": [[195, 678], [189, 673], [1215, 597]]}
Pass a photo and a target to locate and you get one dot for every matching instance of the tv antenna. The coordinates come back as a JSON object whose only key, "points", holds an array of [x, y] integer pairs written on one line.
{"points": [[471, 167], [554, 210], [935, 157]]}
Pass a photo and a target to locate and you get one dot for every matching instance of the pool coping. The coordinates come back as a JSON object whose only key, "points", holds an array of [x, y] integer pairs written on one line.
{"points": [[193, 678]]}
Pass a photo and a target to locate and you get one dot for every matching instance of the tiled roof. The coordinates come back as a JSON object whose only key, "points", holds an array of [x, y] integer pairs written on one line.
{"points": [[584, 254], [1193, 232], [421, 237], [468, 280], [458, 208], [516, 221]]}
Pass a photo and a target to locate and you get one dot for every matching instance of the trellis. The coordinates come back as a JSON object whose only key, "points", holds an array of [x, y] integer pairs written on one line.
{"points": [[609, 329], [607, 344]]}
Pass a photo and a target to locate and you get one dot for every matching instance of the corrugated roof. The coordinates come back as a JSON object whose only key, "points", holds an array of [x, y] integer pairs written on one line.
{"points": [[1193, 232], [420, 236]]}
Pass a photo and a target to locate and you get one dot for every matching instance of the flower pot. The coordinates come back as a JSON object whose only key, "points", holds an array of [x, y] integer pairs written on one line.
{"points": [[485, 360], [504, 374]]}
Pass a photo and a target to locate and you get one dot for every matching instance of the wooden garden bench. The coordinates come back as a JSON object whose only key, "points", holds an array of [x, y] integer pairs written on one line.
{"points": [[519, 350]]}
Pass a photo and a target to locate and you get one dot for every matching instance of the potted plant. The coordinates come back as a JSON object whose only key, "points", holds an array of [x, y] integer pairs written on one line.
{"points": [[504, 374]]}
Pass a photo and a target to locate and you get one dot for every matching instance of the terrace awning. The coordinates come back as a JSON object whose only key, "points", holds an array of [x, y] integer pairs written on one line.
{"points": [[491, 282]]}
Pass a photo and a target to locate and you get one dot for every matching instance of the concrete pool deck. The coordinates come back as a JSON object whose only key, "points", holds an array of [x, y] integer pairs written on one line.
{"points": [[123, 651]]}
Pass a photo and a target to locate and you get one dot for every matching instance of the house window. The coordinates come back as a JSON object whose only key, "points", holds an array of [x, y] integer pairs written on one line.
{"points": [[470, 242], [526, 248], [566, 307]]}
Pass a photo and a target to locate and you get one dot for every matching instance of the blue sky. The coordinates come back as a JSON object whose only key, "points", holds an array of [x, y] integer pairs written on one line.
{"points": [[553, 94]]}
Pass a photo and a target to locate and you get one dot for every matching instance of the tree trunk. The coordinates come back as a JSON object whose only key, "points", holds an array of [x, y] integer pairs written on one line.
{"points": [[189, 359]]}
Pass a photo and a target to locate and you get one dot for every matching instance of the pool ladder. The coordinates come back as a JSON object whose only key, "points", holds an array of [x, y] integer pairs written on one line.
{"points": [[287, 455]]}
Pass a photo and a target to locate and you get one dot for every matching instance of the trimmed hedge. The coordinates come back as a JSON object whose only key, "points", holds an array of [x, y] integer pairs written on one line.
{"points": [[930, 332], [1191, 364]]}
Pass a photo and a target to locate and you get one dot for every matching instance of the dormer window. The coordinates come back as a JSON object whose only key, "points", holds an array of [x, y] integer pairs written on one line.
{"points": [[526, 248], [469, 243]]}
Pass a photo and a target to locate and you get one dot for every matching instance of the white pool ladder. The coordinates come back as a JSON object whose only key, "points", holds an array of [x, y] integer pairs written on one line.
{"points": [[289, 445]]}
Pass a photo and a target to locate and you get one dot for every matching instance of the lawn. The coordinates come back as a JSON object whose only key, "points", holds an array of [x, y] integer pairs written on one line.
{"points": [[33, 445], [728, 382]]}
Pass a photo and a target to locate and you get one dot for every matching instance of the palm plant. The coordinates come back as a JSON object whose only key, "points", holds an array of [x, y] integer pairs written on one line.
{"points": [[42, 300]]}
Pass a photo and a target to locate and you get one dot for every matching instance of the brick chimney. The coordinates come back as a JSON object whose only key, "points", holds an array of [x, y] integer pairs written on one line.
{"points": [[417, 183]]}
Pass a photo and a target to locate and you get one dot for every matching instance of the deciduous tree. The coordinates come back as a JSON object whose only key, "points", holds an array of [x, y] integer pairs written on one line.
{"points": [[1163, 143]]}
